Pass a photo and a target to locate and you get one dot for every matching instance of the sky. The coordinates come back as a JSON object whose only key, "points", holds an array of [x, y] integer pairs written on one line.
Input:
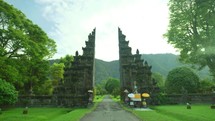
{"points": [[69, 22]]}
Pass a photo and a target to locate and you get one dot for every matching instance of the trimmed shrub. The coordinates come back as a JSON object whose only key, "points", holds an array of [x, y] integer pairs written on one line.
{"points": [[181, 80]]}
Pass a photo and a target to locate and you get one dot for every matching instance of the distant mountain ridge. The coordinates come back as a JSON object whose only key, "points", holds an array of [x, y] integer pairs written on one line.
{"points": [[161, 63]]}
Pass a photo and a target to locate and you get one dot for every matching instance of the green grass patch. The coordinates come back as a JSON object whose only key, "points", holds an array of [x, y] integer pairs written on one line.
{"points": [[75, 115], [177, 113], [98, 98], [34, 114], [116, 99], [48, 114]]}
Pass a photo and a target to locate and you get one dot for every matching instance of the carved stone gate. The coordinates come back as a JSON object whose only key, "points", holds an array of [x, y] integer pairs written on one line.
{"points": [[135, 74], [79, 78]]}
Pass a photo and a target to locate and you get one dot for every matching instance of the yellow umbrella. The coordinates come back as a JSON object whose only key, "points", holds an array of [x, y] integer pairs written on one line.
{"points": [[145, 95]]}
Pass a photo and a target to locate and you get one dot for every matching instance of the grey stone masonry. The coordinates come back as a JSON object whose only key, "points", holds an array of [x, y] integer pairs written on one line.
{"points": [[79, 78], [135, 73]]}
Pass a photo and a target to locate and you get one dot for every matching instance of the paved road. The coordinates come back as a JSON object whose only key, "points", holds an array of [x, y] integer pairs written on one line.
{"points": [[108, 110]]}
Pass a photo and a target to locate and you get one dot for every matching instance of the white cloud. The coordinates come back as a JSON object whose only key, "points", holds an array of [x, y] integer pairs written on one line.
{"points": [[142, 21]]}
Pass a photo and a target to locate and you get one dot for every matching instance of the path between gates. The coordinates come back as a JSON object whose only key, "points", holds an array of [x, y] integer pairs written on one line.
{"points": [[108, 110]]}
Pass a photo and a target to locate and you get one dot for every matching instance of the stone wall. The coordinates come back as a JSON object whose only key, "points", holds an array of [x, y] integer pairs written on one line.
{"points": [[191, 98], [49, 101], [34, 101]]}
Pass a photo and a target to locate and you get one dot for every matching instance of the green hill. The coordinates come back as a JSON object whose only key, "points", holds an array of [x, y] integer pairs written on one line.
{"points": [[161, 63], [106, 69]]}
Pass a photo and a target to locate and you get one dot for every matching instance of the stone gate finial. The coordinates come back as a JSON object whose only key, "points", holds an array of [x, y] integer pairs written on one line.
{"points": [[137, 52], [76, 53]]}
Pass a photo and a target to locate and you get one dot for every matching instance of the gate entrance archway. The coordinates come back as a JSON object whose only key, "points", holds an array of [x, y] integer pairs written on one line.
{"points": [[79, 79]]}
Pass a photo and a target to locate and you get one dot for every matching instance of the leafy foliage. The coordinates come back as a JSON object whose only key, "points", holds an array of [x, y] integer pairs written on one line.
{"points": [[159, 79], [191, 30], [206, 86], [8, 93], [182, 79], [100, 88], [24, 50], [112, 86], [8, 70], [67, 60], [20, 37], [56, 72], [57, 67]]}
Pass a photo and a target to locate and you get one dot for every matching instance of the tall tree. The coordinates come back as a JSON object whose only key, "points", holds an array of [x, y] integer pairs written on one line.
{"points": [[24, 48], [100, 87], [111, 85], [57, 71], [67, 60], [206, 86], [191, 30], [158, 78], [20, 37]]}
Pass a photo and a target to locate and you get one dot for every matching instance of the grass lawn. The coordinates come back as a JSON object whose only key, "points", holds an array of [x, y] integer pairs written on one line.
{"points": [[178, 113], [47, 114], [175, 113]]}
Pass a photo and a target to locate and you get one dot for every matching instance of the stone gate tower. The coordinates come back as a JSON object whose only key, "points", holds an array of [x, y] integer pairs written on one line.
{"points": [[73, 90], [135, 73]]}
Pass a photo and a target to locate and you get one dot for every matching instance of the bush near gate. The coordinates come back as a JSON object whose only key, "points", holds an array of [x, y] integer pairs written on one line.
{"points": [[181, 79]]}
